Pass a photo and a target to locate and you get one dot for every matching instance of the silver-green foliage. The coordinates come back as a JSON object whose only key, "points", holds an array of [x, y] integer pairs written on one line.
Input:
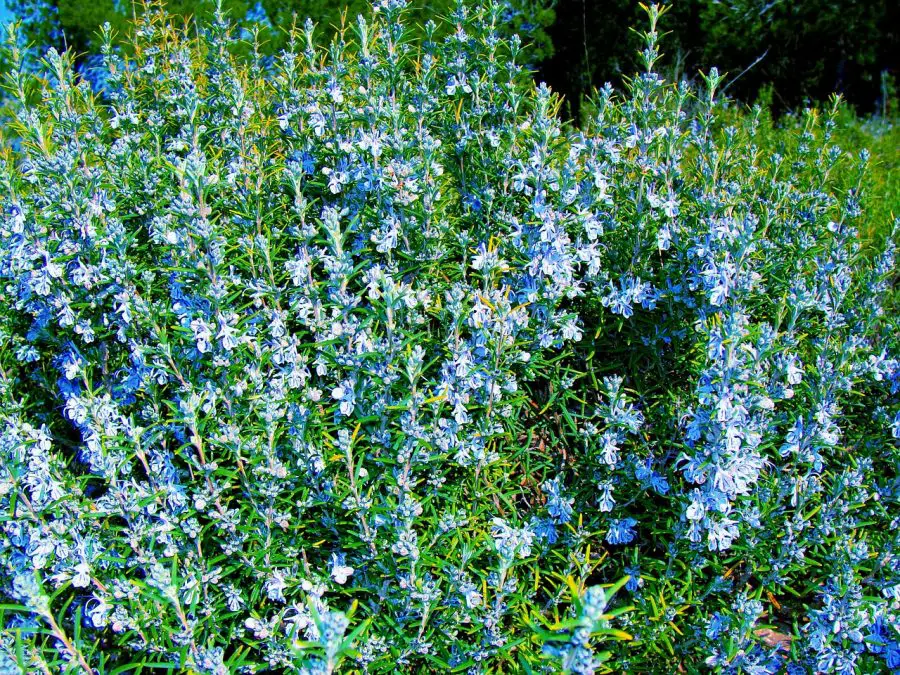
{"points": [[362, 360]]}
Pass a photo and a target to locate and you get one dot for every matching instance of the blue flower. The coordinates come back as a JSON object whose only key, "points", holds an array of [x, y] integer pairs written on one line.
{"points": [[621, 531]]}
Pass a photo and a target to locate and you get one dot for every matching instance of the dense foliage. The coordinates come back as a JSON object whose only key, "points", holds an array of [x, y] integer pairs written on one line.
{"points": [[360, 360], [803, 49], [76, 24]]}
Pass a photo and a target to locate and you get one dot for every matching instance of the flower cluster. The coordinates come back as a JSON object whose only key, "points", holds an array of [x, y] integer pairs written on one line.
{"points": [[344, 360]]}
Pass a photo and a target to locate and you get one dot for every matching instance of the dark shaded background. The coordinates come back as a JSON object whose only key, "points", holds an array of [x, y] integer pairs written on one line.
{"points": [[807, 49]]}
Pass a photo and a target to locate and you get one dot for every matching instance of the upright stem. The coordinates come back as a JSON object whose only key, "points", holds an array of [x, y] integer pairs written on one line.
{"points": [[72, 650]]}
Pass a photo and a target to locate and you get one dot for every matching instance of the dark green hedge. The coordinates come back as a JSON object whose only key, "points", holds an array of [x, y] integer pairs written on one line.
{"points": [[804, 49]]}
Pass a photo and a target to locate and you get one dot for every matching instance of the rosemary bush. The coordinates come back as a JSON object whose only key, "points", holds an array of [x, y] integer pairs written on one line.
{"points": [[360, 360]]}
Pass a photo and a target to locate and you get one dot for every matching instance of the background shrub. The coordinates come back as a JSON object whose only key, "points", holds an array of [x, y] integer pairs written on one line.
{"points": [[360, 359], [802, 51]]}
